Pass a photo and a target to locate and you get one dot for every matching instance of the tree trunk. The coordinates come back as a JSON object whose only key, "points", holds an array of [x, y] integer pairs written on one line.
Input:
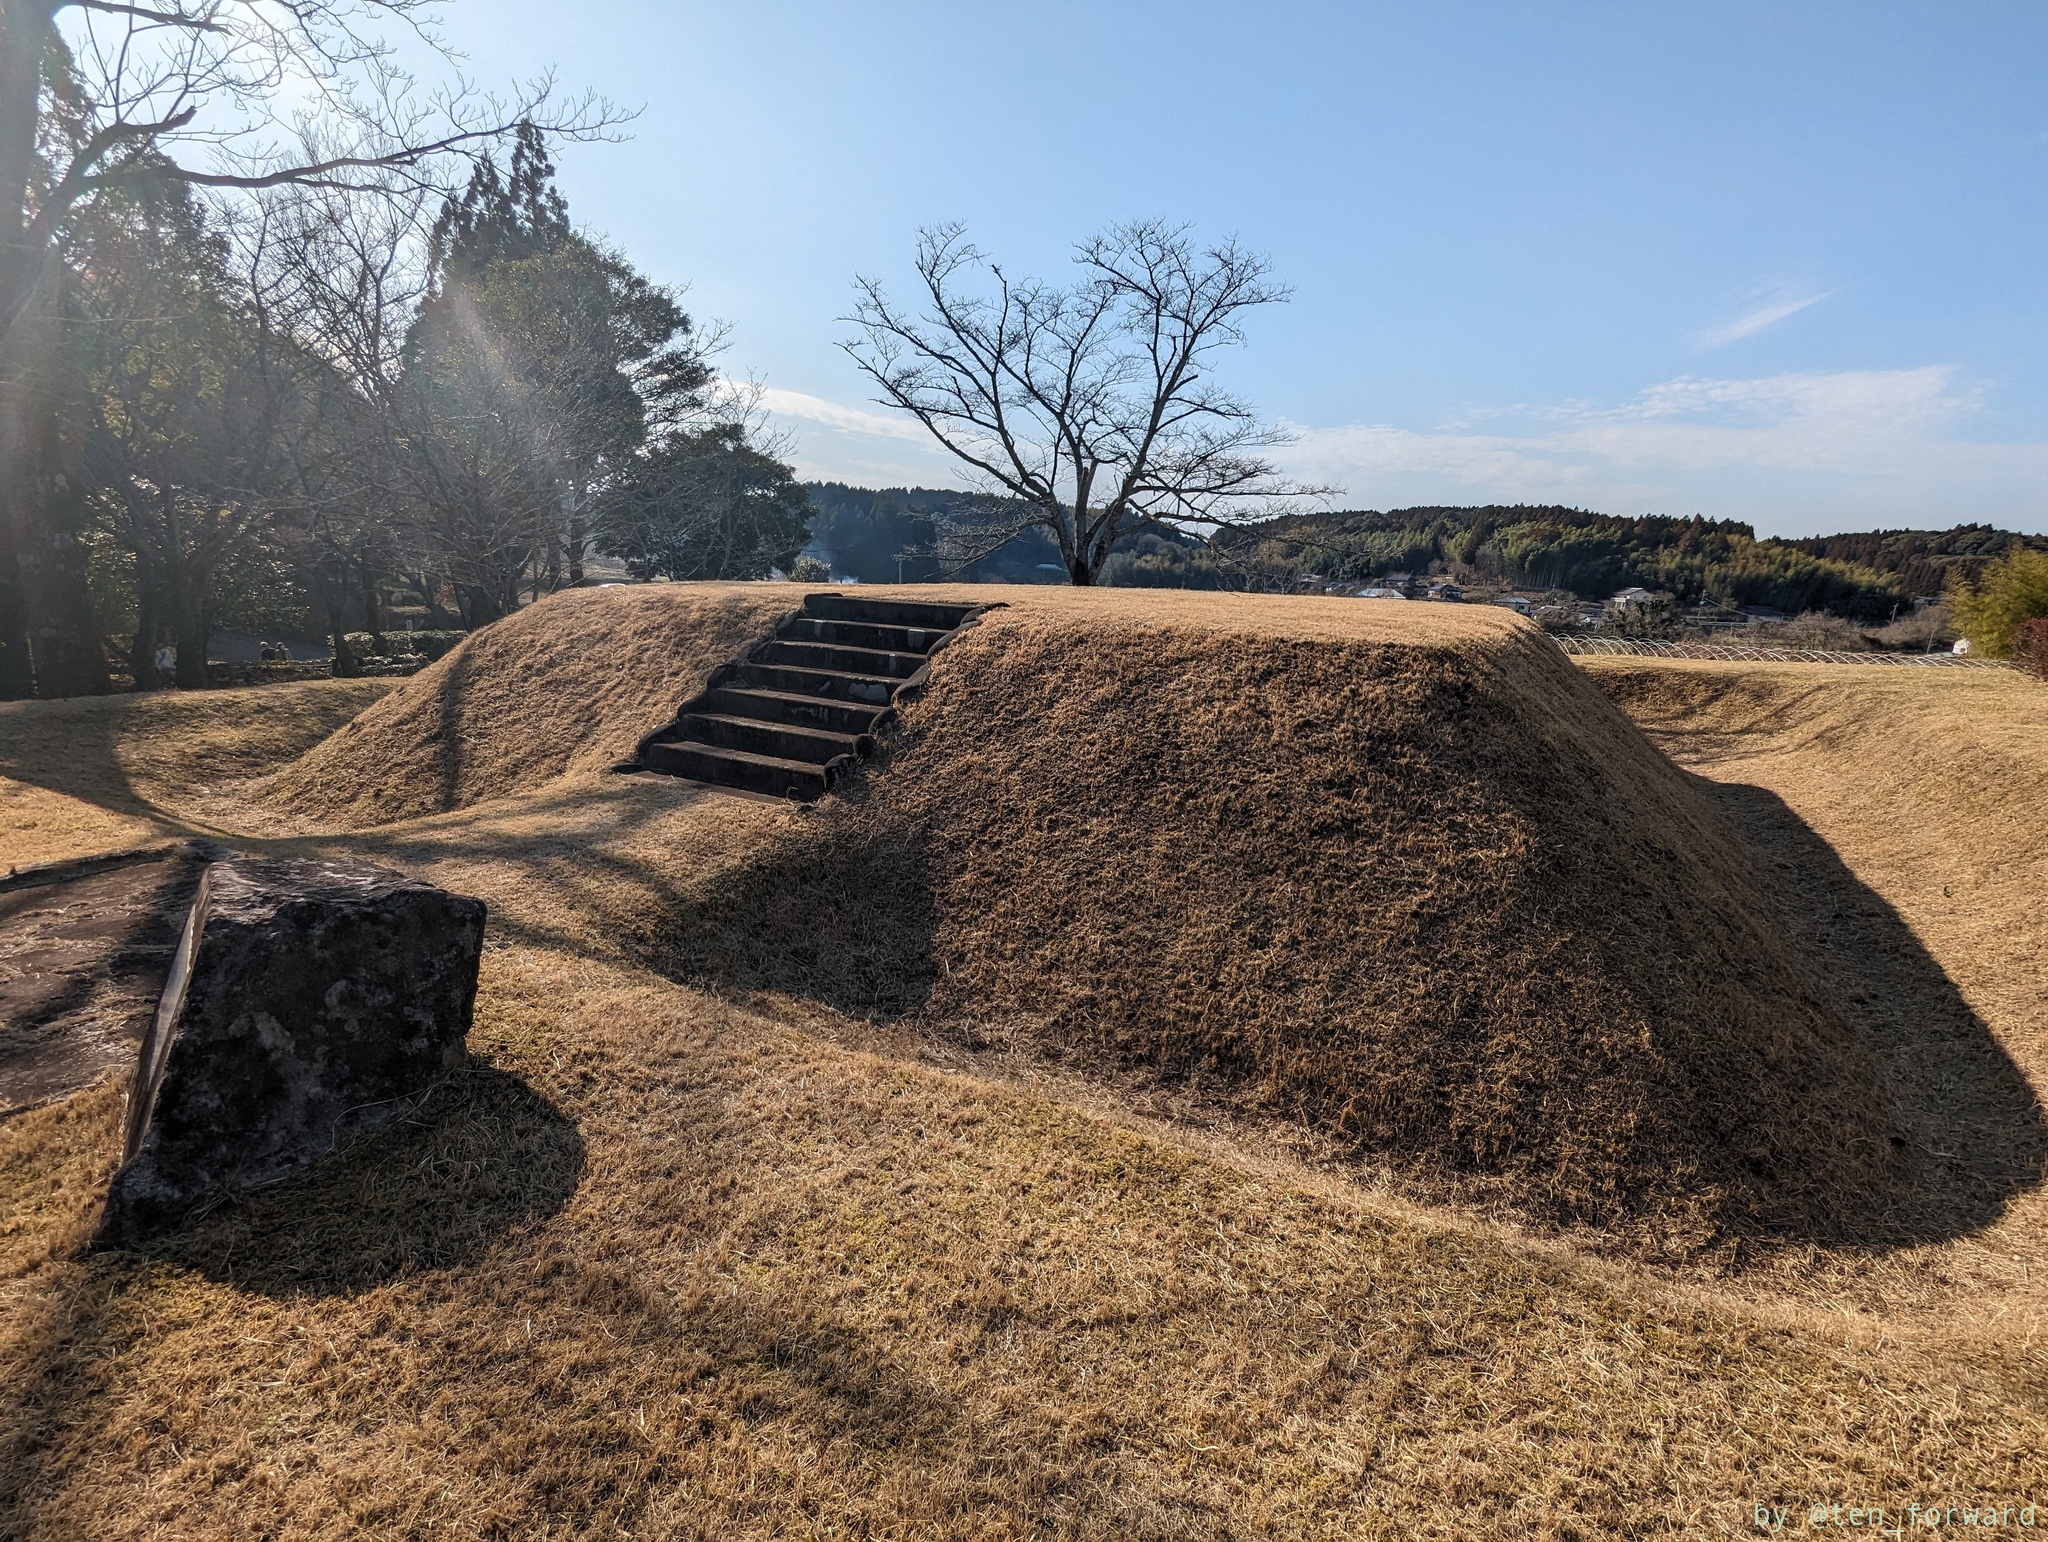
{"points": [[327, 586], [42, 517], [149, 623], [345, 666], [17, 678], [373, 620], [481, 605], [188, 625], [63, 633], [38, 528], [579, 538], [40, 643], [554, 562]]}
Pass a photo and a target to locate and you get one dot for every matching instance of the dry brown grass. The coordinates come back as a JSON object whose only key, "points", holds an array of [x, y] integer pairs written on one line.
{"points": [[1431, 897], [800, 1290], [100, 773], [1929, 788], [1397, 875], [670, 1265], [572, 683], [569, 684]]}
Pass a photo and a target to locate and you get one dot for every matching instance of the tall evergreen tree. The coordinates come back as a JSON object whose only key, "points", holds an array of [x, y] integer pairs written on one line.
{"points": [[538, 366], [708, 504]]}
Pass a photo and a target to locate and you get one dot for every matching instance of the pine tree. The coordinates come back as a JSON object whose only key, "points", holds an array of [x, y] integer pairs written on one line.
{"points": [[538, 366]]}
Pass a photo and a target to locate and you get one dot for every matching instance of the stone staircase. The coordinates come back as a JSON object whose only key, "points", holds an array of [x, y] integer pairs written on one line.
{"points": [[796, 711]]}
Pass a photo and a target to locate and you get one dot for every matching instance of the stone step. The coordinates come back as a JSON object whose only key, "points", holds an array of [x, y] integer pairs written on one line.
{"points": [[862, 634], [822, 684], [779, 778], [835, 659], [928, 615], [778, 740], [799, 711], [804, 705]]}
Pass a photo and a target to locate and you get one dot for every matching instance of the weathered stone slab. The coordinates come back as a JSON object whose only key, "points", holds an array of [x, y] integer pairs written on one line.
{"points": [[307, 1001]]}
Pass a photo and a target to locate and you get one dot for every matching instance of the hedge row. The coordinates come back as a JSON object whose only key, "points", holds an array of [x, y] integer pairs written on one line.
{"points": [[431, 644]]}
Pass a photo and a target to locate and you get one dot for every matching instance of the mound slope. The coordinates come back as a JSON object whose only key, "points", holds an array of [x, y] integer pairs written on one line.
{"points": [[568, 684], [1402, 874]]}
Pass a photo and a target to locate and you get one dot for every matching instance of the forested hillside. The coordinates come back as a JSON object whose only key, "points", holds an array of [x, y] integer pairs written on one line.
{"points": [[1861, 576], [884, 535], [1923, 561], [876, 535]]}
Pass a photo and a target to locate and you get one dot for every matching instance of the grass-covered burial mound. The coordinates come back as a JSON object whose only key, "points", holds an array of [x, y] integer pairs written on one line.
{"points": [[1397, 873]]}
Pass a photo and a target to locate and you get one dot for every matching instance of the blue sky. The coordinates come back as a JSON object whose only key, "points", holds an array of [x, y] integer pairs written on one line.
{"points": [[1782, 263]]}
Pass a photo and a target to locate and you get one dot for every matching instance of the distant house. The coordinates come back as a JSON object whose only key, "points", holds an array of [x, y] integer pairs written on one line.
{"points": [[1623, 599], [1380, 592], [1450, 592], [1713, 617], [1514, 602]]}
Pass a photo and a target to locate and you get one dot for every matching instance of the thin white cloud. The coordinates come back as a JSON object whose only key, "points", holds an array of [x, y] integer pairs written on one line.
{"points": [[1751, 322], [1854, 446], [827, 414], [1790, 453], [828, 441]]}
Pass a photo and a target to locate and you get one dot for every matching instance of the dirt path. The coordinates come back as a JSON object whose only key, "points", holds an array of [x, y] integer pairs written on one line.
{"points": [[82, 961]]}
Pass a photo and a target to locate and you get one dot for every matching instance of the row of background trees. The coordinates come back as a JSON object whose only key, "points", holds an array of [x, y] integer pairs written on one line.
{"points": [[883, 535], [257, 368], [1865, 577], [377, 363]]}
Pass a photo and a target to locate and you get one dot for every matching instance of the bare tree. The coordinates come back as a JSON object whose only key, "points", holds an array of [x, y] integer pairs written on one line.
{"points": [[332, 277], [1086, 411], [97, 95]]}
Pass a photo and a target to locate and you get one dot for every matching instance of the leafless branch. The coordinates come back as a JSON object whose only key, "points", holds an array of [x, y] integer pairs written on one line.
{"points": [[1086, 410]]}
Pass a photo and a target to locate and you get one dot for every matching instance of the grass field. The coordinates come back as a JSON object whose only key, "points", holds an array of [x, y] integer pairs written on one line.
{"points": [[677, 1259], [106, 773], [1930, 792]]}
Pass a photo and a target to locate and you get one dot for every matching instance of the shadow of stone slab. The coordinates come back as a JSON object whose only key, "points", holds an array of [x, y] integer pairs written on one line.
{"points": [[483, 1156]]}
